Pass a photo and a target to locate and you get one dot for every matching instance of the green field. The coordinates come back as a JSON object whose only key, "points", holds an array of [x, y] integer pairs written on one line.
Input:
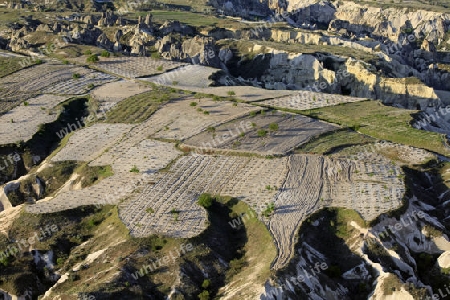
{"points": [[332, 141], [381, 122], [139, 108], [9, 65]]}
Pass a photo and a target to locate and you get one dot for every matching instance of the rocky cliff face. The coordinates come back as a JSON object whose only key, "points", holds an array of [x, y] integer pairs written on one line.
{"points": [[330, 74]]}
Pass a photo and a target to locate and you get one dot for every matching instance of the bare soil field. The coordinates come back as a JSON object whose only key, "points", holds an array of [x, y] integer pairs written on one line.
{"points": [[134, 67], [313, 182], [148, 156], [89, 143], [244, 93], [304, 100], [145, 159], [381, 151], [169, 207], [180, 119], [23, 121], [118, 90], [186, 77], [54, 78], [11, 98], [271, 133]]}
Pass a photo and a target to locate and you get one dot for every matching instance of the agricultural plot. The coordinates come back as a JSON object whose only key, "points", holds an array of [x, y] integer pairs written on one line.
{"points": [[89, 143], [271, 133], [11, 98], [304, 100], [54, 78], [371, 188], [82, 85], [244, 93], [135, 67], [148, 157], [10, 63], [187, 76], [22, 122], [258, 182], [145, 159], [169, 207], [180, 119], [112, 93], [381, 152]]}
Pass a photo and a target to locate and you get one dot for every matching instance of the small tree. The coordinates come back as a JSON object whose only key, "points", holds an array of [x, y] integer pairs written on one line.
{"points": [[205, 200], [92, 59], [231, 93], [206, 283], [262, 133], [204, 295], [105, 53], [273, 126]]}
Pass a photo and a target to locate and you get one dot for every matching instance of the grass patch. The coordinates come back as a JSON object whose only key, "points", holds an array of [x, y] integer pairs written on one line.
{"points": [[333, 141], [382, 122], [139, 108], [9, 65], [255, 261], [91, 175]]}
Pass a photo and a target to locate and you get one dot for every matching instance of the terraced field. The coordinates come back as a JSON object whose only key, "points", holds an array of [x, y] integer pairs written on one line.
{"points": [[303, 100], [180, 120], [271, 133], [244, 93], [169, 207], [89, 143], [10, 63], [316, 181], [22, 122], [381, 151], [187, 76], [11, 98], [134, 67], [112, 93], [54, 78], [145, 158]]}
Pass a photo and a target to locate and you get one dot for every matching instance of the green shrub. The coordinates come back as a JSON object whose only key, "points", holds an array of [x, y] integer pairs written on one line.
{"points": [[88, 52], [206, 283], [134, 169], [270, 208], [203, 295], [160, 68], [105, 53], [262, 133], [273, 126], [156, 55], [193, 103], [76, 75], [205, 200], [92, 59]]}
